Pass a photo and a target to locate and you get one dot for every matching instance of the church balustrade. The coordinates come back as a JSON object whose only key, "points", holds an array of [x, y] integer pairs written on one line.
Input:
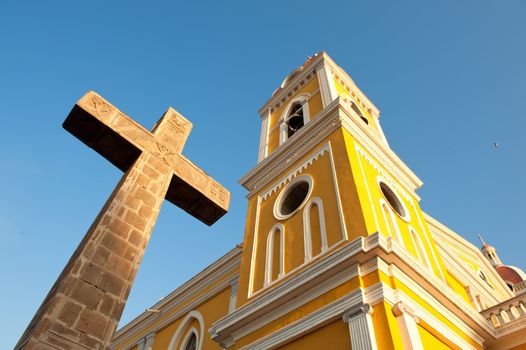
{"points": [[507, 311], [520, 288]]}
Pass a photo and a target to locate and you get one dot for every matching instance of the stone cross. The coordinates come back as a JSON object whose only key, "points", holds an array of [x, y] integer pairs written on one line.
{"points": [[84, 306]]}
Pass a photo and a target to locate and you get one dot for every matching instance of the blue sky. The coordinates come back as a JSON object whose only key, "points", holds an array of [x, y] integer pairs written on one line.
{"points": [[449, 77]]}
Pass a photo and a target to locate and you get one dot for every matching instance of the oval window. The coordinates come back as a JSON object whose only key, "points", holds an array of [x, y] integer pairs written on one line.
{"points": [[393, 200], [292, 198]]}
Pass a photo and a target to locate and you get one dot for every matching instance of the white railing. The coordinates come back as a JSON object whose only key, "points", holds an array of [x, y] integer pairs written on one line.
{"points": [[507, 311], [520, 288]]}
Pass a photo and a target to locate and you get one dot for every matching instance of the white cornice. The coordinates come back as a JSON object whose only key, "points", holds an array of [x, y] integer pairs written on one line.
{"points": [[357, 299], [298, 145], [312, 276], [326, 122], [315, 320], [401, 265], [315, 292]]}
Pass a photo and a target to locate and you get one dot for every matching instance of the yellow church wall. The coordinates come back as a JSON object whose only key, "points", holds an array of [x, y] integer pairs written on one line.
{"points": [[457, 286], [314, 103], [353, 212], [306, 309], [212, 309], [324, 186], [248, 243], [375, 277], [386, 331], [430, 341], [367, 173], [332, 336], [293, 226]]}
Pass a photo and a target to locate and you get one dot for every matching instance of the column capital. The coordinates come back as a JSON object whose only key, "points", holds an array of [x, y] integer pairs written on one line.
{"points": [[140, 344], [357, 310], [402, 308], [148, 341]]}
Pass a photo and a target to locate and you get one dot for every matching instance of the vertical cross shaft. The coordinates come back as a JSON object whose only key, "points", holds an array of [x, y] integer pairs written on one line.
{"points": [[84, 306]]}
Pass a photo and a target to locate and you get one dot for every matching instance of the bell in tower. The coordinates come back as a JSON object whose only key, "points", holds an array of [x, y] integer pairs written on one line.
{"points": [[295, 120]]}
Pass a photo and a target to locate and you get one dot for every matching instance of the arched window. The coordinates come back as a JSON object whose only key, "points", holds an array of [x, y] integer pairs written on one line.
{"points": [[390, 222], [191, 342], [484, 278], [394, 201], [274, 262], [295, 119], [314, 229], [189, 335], [356, 109], [419, 248], [296, 115]]}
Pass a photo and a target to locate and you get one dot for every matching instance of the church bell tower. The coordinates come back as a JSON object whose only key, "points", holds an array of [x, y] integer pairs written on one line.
{"points": [[325, 176], [328, 196]]}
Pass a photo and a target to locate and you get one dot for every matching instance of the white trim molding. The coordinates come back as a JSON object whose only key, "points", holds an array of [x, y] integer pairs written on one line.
{"points": [[277, 229], [375, 252], [263, 142], [307, 230], [233, 294], [326, 83]]}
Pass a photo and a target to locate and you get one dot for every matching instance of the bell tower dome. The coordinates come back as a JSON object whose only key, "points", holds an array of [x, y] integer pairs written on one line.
{"points": [[490, 253]]}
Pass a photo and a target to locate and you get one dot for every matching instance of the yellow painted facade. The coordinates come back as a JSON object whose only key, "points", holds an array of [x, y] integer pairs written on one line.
{"points": [[337, 253]]}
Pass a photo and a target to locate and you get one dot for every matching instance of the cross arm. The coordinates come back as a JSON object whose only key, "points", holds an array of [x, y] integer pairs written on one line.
{"points": [[121, 140], [107, 130], [196, 192]]}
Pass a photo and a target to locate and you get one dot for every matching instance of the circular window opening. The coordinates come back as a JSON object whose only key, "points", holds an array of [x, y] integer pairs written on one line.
{"points": [[294, 198], [393, 200]]}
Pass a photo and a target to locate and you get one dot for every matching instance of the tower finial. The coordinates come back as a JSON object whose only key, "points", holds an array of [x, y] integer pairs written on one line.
{"points": [[481, 240]]}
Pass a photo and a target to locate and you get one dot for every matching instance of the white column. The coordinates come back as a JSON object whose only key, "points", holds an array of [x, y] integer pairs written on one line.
{"points": [[361, 328], [407, 322], [263, 142], [233, 295], [141, 343], [327, 89], [149, 341]]}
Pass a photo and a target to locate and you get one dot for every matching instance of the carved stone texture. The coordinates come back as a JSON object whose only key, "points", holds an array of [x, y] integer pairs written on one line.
{"points": [[85, 304]]}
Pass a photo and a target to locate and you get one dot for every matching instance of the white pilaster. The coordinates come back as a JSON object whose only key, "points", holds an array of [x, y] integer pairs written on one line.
{"points": [[148, 344], [326, 82], [233, 295], [263, 141], [361, 328], [141, 343], [407, 322]]}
